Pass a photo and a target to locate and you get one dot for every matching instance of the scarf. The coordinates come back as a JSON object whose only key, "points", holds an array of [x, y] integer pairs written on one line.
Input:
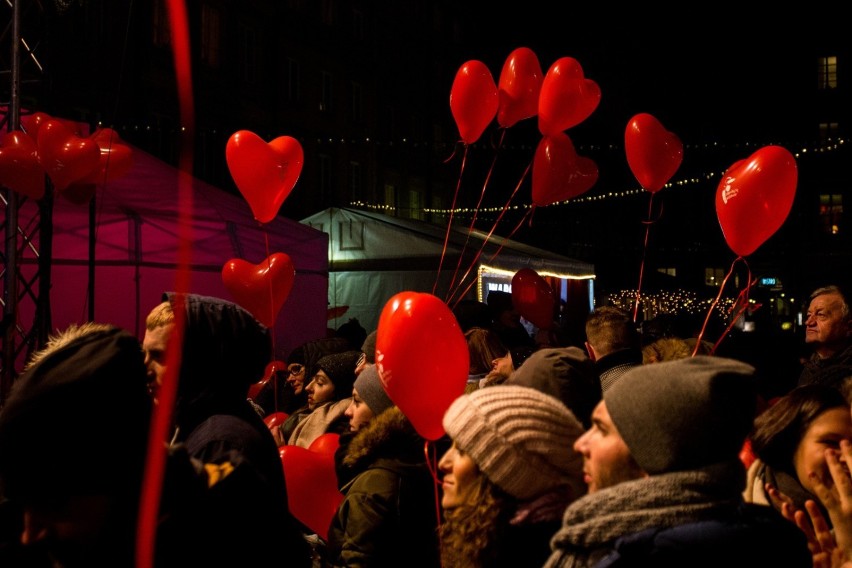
{"points": [[592, 524]]}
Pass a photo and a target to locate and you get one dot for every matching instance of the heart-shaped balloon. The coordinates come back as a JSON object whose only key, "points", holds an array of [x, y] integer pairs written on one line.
{"points": [[473, 100], [533, 298], [519, 87], [312, 493], [116, 158], [558, 172], [31, 123], [422, 358], [567, 98], [268, 376], [261, 288], [755, 196], [275, 419], [653, 153], [19, 167], [65, 157], [264, 173]]}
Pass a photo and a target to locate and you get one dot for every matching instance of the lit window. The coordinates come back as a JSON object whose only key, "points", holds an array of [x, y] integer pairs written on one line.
{"points": [[827, 72], [714, 276], [828, 131], [831, 212]]}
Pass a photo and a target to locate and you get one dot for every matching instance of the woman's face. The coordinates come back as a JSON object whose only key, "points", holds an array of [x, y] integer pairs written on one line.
{"points": [[460, 476], [320, 390], [296, 377], [358, 412], [825, 432]]}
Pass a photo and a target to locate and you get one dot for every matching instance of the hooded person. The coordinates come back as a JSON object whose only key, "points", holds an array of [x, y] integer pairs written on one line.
{"points": [[566, 373], [665, 478], [224, 351], [329, 395]]}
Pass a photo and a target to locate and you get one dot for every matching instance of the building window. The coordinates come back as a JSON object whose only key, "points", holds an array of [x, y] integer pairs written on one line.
{"points": [[668, 271], [211, 31], [830, 212], [355, 181], [415, 206], [828, 131], [714, 276], [390, 197], [357, 102], [248, 43], [827, 74], [161, 35], [327, 92], [293, 86], [324, 176]]}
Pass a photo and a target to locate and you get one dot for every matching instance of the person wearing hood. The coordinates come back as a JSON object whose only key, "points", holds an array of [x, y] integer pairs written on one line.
{"points": [[224, 351]]}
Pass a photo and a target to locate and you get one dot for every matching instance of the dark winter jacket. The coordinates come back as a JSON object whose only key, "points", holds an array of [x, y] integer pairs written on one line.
{"points": [[831, 370], [388, 516]]}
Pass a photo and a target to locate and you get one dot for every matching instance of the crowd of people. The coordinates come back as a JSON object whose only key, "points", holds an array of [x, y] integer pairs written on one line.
{"points": [[610, 450]]}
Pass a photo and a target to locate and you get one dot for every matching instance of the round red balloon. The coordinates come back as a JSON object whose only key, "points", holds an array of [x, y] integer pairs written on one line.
{"points": [[567, 98], [19, 166], [312, 492], [653, 153], [65, 157], [422, 358], [261, 288], [755, 196], [558, 172], [519, 87], [473, 100], [264, 173], [116, 158], [533, 298]]}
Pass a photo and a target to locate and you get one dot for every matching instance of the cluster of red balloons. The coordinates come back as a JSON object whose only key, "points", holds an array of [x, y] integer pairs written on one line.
{"points": [[265, 174], [74, 163]]}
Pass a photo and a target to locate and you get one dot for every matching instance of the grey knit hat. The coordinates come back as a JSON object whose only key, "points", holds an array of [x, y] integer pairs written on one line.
{"points": [[340, 368], [520, 438], [369, 347], [371, 391], [685, 413]]}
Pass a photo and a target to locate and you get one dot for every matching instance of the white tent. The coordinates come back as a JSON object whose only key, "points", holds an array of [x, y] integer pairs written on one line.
{"points": [[372, 256]]}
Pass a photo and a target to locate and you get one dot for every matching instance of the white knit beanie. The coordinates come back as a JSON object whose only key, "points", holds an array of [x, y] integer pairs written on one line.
{"points": [[520, 438]]}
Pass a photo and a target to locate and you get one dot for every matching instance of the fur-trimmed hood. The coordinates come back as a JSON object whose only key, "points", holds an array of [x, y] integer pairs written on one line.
{"points": [[388, 435]]}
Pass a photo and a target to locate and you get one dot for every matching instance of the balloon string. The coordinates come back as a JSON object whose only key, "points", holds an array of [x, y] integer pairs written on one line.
{"points": [[450, 222], [432, 465], [155, 462], [644, 255], [271, 293], [713, 306], [488, 236], [476, 210], [737, 310]]}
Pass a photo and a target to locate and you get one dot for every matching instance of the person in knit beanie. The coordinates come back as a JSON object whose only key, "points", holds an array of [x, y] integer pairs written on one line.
{"points": [[665, 479], [508, 476], [369, 398], [369, 347]]}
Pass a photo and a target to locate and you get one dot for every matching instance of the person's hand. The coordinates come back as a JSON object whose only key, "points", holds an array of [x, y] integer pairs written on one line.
{"points": [[781, 502], [279, 437], [837, 499]]}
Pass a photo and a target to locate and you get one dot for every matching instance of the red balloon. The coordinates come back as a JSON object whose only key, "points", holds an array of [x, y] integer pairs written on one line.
{"points": [[261, 288], [326, 443], [19, 167], [264, 173], [422, 358], [116, 158], [473, 100], [755, 196], [275, 419], [533, 298], [653, 153], [567, 98], [519, 87], [65, 157], [312, 492], [268, 375], [558, 172], [32, 123]]}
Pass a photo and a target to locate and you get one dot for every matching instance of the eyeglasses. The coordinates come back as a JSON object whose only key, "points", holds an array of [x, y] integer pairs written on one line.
{"points": [[295, 369]]}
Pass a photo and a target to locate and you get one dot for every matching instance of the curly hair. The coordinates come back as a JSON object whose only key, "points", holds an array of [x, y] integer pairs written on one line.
{"points": [[471, 533]]}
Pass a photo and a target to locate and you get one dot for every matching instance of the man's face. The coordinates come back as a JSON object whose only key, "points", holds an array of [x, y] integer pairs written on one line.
{"points": [[825, 325], [606, 458], [154, 346]]}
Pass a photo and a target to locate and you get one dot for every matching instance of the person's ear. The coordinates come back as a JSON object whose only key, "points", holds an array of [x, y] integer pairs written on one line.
{"points": [[591, 351]]}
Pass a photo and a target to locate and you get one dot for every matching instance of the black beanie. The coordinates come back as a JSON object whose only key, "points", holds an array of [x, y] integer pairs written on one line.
{"points": [[684, 414], [340, 368], [76, 423]]}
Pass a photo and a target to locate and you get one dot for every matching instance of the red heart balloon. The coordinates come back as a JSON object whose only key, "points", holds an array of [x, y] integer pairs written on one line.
{"points": [[32, 123], [116, 158], [312, 493], [261, 288], [519, 87], [422, 358], [473, 100], [268, 375], [558, 172], [325, 444], [275, 419], [755, 196], [653, 153], [264, 173], [533, 298], [567, 98], [65, 157], [19, 166]]}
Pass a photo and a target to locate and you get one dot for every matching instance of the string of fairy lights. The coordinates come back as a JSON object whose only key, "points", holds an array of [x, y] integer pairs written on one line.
{"points": [[674, 302]]}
